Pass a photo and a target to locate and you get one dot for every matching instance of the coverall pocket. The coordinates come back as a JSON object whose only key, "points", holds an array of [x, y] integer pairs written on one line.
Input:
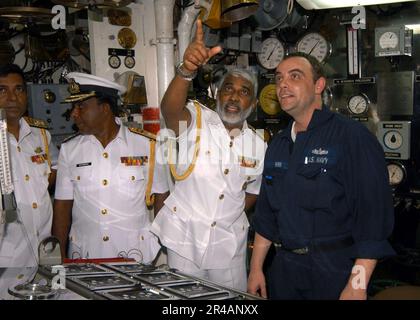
{"points": [[314, 186], [274, 181]]}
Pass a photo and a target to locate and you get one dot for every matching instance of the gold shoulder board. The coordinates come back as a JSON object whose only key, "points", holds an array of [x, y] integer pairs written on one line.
{"points": [[37, 123], [143, 133]]}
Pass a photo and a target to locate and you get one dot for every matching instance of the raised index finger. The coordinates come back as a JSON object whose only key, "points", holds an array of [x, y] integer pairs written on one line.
{"points": [[199, 32]]}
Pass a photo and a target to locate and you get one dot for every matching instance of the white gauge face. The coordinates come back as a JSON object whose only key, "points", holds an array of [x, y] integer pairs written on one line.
{"points": [[315, 45], [358, 104], [272, 53], [129, 62], [393, 140], [114, 62], [396, 173], [388, 40]]}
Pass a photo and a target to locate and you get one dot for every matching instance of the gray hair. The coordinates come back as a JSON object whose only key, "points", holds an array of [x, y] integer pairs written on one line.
{"points": [[243, 73]]}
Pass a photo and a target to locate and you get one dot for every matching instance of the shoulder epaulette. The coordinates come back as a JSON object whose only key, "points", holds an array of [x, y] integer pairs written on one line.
{"points": [[37, 123], [257, 132], [142, 132], [71, 137]]}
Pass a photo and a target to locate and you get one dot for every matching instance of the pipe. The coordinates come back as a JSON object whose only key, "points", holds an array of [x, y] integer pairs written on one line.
{"points": [[164, 44], [185, 28]]}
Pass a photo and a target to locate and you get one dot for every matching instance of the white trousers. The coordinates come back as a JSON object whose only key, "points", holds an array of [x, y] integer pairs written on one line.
{"points": [[234, 277]]}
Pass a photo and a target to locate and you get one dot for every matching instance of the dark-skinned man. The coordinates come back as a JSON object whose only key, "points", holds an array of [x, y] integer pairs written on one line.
{"points": [[203, 222], [104, 180]]}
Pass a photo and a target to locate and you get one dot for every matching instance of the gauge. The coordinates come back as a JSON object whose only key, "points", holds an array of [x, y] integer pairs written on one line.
{"points": [[272, 53], [393, 140], [269, 101], [316, 45], [114, 61], [358, 104], [396, 173], [129, 62], [127, 38], [388, 40]]}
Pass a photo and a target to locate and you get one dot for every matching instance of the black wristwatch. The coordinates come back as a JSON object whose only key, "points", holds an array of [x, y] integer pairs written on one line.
{"points": [[184, 74]]}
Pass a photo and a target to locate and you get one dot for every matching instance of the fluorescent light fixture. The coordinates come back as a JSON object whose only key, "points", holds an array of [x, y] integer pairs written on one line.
{"points": [[328, 4]]}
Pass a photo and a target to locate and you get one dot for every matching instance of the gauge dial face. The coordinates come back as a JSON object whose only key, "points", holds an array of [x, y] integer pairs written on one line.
{"points": [[269, 101], [114, 62], [388, 40], [127, 38], [272, 53], [396, 173], [393, 140], [129, 62], [315, 45], [358, 104]]}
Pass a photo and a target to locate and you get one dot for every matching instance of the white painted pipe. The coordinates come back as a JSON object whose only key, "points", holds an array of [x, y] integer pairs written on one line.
{"points": [[185, 27], [164, 44]]}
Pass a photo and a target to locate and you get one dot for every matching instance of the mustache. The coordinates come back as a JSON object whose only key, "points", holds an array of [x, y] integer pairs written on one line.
{"points": [[231, 104]]}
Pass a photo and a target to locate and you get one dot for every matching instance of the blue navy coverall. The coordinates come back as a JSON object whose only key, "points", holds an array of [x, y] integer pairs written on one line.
{"points": [[330, 186]]}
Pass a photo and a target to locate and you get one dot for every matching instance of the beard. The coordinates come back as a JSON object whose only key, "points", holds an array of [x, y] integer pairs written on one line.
{"points": [[232, 118]]}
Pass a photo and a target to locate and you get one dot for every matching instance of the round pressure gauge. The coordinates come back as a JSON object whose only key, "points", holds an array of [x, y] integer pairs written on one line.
{"points": [[358, 104], [269, 101], [114, 62], [316, 45], [393, 140], [396, 173], [129, 62], [127, 38], [388, 40], [272, 53]]}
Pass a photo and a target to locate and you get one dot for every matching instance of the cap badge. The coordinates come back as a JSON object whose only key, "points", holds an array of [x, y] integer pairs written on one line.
{"points": [[74, 87]]}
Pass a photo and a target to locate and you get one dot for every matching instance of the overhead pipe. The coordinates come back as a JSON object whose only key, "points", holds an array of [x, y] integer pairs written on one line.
{"points": [[164, 44]]}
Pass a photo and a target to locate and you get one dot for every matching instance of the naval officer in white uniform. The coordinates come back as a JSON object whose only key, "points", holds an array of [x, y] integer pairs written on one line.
{"points": [[33, 162], [218, 173], [104, 180]]}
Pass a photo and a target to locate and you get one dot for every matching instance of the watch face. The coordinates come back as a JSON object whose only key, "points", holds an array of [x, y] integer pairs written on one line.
{"points": [[315, 45], [272, 53], [388, 40], [114, 62], [129, 62]]}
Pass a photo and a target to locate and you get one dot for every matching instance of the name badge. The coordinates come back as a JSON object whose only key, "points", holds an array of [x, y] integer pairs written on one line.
{"points": [[135, 160], [85, 164]]}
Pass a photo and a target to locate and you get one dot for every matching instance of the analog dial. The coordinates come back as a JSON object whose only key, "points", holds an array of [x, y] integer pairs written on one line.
{"points": [[388, 40], [396, 173], [129, 62], [114, 62], [393, 140], [358, 104], [269, 101], [315, 45], [272, 52]]}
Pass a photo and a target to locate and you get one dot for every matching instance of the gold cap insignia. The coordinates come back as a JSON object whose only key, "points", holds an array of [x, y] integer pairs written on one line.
{"points": [[38, 150], [74, 87]]}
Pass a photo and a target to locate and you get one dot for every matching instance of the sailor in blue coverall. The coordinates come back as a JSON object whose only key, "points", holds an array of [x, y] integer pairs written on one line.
{"points": [[325, 201]]}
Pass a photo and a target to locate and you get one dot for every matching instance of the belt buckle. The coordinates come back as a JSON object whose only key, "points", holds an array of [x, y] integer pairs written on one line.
{"points": [[303, 250]]}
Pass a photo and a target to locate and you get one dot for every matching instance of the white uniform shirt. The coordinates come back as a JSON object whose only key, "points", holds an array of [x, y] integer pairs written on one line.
{"points": [[109, 217], [203, 219], [30, 179]]}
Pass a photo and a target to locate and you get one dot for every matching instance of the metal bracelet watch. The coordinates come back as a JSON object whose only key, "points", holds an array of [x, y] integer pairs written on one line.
{"points": [[183, 74]]}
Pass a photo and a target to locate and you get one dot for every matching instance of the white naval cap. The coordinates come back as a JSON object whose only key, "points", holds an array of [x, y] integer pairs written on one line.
{"points": [[83, 86]]}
